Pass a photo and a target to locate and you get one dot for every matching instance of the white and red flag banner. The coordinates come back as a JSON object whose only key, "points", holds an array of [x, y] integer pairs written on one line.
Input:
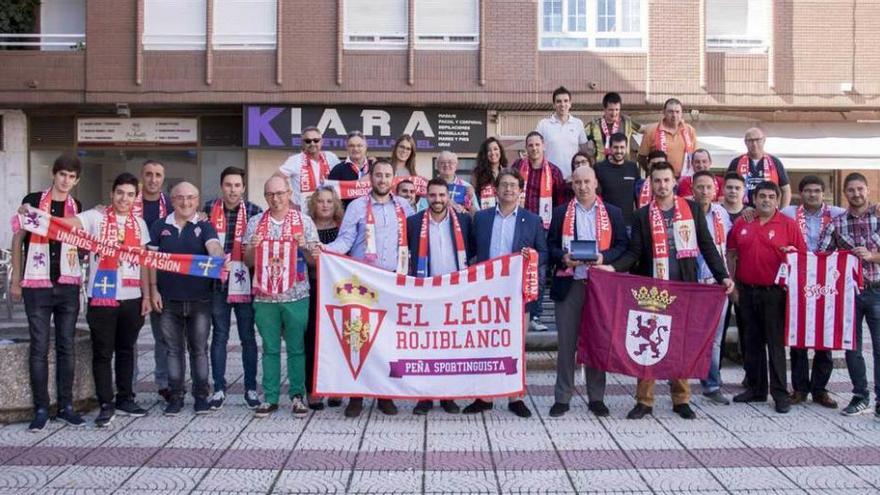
{"points": [[821, 308], [381, 334]]}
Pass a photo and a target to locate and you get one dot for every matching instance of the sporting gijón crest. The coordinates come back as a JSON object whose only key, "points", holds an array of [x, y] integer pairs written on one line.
{"points": [[355, 323]]}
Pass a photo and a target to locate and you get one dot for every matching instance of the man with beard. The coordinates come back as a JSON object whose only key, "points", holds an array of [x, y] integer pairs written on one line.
{"points": [[617, 178], [438, 243]]}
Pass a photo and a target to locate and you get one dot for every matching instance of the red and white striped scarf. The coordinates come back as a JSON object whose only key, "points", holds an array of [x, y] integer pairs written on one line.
{"points": [[422, 269], [36, 269], [607, 134], [683, 229], [138, 208], [488, 197], [276, 260], [308, 182], [111, 270], [239, 289], [603, 229], [371, 253], [545, 201], [660, 143]]}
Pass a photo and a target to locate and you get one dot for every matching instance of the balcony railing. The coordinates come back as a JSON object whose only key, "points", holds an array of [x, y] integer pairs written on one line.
{"points": [[43, 41]]}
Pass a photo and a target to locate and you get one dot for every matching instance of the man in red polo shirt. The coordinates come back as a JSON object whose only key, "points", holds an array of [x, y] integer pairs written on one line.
{"points": [[759, 247]]}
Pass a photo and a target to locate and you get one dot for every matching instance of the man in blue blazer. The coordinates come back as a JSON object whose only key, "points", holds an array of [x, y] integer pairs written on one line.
{"points": [[585, 218], [438, 244], [506, 229]]}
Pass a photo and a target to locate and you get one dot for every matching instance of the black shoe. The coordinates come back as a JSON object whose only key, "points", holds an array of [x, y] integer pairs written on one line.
{"points": [[558, 409], [165, 394], [599, 409], [684, 410], [639, 411], [783, 406], [41, 418], [105, 416], [519, 408], [450, 406], [387, 407], [202, 406], [477, 406], [354, 407], [316, 404], [749, 396], [265, 410], [67, 415], [130, 408], [422, 407], [174, 407], [334, 402]]}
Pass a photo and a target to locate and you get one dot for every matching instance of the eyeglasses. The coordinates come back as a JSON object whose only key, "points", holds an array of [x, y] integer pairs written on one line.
{"points": [[754, 140], [278, 194], [312, 141]]}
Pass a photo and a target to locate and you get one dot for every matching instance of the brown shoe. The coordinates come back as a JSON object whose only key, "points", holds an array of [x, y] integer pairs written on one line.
{"points": [[824, 400], [797, 398]]}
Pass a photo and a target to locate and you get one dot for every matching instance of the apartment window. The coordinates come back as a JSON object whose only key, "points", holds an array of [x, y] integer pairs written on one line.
{"points": [[593, 24], [175, 24], [738, 25], [244, 24], [375, 24], [447, 24]]}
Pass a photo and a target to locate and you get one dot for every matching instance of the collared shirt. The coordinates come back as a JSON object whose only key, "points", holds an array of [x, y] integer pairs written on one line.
{"points": [[292, 167], [675, 145], [585, 227], [703, 272], [503, 228], [251, 210], [441, 248], [848, 231], [352, 238], [759, 247], [192, 238], [300, 288], [813, 221], [562, 140]]}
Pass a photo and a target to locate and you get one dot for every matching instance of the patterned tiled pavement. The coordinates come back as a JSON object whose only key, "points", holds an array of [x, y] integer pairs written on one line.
{"points": [[728, 449]]}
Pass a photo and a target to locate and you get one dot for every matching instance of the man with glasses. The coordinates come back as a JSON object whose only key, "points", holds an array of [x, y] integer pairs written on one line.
{"points": [[356, 166], [757, 166], [184, 301], [308, 170]]}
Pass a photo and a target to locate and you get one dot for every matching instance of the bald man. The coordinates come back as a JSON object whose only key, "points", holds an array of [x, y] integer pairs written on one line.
{"points": [[589, 220], [757, 166], [184, 301]]}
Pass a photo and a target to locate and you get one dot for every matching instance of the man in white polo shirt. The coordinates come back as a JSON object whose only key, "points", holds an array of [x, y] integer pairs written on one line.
{"points": [[563, 133]]}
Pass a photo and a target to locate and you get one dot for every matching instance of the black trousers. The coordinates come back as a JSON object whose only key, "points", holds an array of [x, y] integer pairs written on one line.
{"points": [[823, 365], [762, 315], [115, 331], [311, 328]]}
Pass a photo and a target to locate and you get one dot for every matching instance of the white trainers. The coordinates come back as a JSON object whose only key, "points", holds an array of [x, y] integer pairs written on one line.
{"points": [[217, 400], [298, 407]]}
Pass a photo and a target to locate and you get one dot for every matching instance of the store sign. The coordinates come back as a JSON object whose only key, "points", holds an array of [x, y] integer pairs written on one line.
{"points": [[279, 127], [139, 131]]}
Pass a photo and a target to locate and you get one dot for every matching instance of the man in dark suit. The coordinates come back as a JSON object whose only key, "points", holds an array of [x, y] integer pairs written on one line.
{"points": [[437, 239], [503, 230], [585, 218], [663, 245]]}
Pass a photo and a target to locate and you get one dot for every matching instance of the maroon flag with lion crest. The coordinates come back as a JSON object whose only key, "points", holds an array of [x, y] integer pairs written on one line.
{"points": [[649, 328]]}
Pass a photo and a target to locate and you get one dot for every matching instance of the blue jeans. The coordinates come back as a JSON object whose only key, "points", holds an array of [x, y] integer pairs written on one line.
{"points": [[60, 302], [867, 309], [186, 325], [221, 314], [160, 355], [713, 381]]}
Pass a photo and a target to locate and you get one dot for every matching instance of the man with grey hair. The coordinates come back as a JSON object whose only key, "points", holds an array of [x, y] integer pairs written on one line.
{"points": [[308, 170], [462, 197], [184, 301], [756, 166]]}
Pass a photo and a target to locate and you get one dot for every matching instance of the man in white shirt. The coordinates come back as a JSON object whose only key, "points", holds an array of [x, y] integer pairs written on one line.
{"points": [[563, 133], [309, 169]]}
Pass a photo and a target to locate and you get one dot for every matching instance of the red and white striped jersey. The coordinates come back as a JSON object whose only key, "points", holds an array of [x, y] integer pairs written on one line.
{"points": [[822, 290]]}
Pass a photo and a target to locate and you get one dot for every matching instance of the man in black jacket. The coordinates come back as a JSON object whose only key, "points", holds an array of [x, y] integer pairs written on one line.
{"points": [[438, 244], [585, 218], [663, 245]]}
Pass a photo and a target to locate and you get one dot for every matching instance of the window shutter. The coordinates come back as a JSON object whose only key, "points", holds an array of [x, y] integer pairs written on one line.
{"points": [[244, 24], [175, 24], [52, 131], [376, 21], [452, 18]]}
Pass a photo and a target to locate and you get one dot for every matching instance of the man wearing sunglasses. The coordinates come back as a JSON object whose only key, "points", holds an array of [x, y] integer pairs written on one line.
{"points": [[309, 169]]}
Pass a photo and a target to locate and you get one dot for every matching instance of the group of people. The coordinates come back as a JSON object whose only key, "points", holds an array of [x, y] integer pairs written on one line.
{"points": [[664, 216]]}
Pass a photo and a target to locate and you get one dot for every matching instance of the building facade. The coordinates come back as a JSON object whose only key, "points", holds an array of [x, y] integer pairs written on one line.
{"points": [[202, 84]]}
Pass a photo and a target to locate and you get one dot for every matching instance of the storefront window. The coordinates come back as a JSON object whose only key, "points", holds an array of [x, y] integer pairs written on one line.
{"points": [[213, 162]]}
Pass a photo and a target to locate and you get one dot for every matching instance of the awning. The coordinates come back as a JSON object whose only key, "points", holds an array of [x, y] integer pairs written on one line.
{"points": [[799, 145]]}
